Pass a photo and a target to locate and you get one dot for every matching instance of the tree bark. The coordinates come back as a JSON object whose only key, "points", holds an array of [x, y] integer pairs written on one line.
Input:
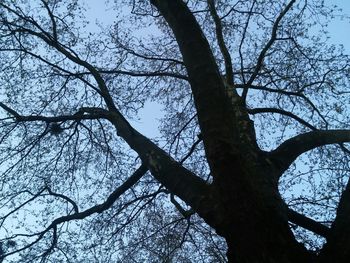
{"points": [[249, 212], [255, 222], [337, 248]]}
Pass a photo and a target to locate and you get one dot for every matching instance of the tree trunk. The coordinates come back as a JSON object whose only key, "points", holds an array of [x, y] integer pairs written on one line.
{"points": [[243, 203], [337, 248], [264, 241], [254, 221]]}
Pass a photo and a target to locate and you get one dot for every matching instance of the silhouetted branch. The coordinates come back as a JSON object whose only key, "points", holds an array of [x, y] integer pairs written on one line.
{"points": [[289, 150], [308, 223], [221, 42], [268, 45], [81, 215], [282, 112]]}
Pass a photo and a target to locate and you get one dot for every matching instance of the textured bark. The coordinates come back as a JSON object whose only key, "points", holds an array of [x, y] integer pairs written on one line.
{"points": [[222, 118], [249, 211], [255, 222], [337, 248], [178, 180]]}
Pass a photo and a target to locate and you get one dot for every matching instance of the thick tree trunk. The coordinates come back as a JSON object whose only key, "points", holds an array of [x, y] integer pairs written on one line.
{"points": [[263, 239], [337, 248], [254, 221], [243, 204], [265, 252]]}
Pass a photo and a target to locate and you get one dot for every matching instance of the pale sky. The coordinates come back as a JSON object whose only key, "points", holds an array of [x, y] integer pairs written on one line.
{"points": [[340, 29]]}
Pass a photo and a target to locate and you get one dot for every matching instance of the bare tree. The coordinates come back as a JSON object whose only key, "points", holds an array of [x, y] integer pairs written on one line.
{"points": [[251, 164]]}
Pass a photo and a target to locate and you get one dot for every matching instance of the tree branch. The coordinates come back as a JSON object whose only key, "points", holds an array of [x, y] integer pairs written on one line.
{"points": [[139, 74], [11, 111], [287, 93], [69, 200], [94, 113], [221, 42], [263, 52], [95, 209], [282, 112], [308, 223], [289, 150], [53, 21], [223, 120]]}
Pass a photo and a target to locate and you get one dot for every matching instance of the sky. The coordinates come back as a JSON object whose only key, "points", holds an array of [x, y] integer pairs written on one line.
{"points": [[340, 29]]}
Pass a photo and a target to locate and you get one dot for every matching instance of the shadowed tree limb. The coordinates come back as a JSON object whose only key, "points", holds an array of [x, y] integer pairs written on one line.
{"points": [[224, 123], [93, 113], [139, 73], [308, 223], [289, 150]]}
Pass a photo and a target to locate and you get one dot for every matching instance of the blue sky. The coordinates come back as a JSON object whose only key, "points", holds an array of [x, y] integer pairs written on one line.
{"points": [[340, 29]]}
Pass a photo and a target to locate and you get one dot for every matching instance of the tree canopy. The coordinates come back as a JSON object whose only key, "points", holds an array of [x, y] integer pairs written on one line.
{"points": [[251, 159]]}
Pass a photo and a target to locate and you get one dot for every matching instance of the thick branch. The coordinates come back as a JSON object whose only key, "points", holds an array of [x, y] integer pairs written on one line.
{"points": [[289, 150], [177, 179], [203, 72], [224, 123], [308, 223]]}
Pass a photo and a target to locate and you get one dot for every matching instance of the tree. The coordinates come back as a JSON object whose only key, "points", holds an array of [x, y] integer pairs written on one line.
{"points": [[252, 156]]}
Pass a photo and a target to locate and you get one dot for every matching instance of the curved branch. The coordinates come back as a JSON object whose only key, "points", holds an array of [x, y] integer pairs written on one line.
{"points": [[69, 200], [177, 179], [289, 150], [69, 54]]}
